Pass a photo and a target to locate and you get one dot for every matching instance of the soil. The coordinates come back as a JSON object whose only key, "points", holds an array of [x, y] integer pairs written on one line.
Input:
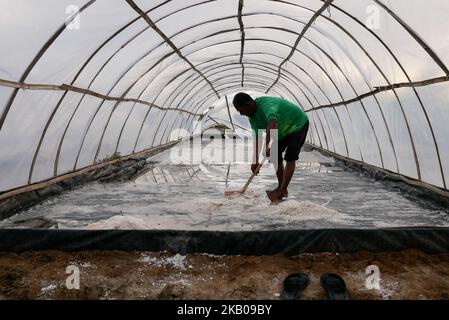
{"points": [[160, 275]]}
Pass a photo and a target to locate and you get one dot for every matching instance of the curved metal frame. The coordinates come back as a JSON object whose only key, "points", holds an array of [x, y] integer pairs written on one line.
{"points": [[239, 16], [134, 37]]}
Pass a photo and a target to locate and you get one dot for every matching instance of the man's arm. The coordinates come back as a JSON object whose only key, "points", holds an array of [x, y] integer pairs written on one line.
{"points": [[257, 145]]}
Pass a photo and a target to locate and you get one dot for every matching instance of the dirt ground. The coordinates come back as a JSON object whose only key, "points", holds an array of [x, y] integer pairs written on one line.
{"points": [[145, 275]]}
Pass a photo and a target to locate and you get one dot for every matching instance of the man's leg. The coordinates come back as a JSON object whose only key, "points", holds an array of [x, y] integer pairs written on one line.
{"points": [[280, 176], [281, 191], [294, 144], [288, 173], [279, 166]]}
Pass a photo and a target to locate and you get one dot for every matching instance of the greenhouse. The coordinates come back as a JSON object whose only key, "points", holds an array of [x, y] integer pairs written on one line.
{"points": [[121, 132]]}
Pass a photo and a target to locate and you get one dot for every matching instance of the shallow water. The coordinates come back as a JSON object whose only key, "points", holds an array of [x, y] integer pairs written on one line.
{"points": [[177, 194]]}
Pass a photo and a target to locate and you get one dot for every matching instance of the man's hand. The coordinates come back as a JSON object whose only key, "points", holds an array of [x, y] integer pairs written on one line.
{"points": [[254, 167]]}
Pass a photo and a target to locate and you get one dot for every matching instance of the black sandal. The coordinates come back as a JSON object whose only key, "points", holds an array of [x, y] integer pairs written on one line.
{"points": [[334, 286]]}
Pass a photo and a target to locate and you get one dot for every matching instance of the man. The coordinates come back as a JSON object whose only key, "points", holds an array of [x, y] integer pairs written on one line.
{"points": [[292, 124]]}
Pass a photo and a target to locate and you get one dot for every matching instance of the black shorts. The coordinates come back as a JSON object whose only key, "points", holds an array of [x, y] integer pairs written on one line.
{"points": [[292, 144]]}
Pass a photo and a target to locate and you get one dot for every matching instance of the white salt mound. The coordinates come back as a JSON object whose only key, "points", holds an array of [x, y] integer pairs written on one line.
{"points": [[303, 209], [177, 261], [306, 210], [200, 209], [121, 223]]}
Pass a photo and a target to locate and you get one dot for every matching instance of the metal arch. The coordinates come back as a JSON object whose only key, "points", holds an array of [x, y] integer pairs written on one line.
{"points": [[321, 90], [303, 31], [232, 87], [415, 36], [249, 85], [336, 87], [315, 64], [337, 115], [249, 77], [386, 79], [316, 113], [413, 88], [233, 75], [183, 98], [258, 64], [287, 17], [154, 137], [380, 109], [124, 94], [361, 102], [397, 97], [251, 67], [229, 113], [262, 90], [167, 40], [261, 64], [209, 69], [110, 117], [37, 58], [318, 86], [86, 132], [124, 124], [207, 98], [88, 61], [75, 78], [253, 27], [316, 129], [128, 116], [83, 67], [366, 82], [242, 31], [266, 40], [374, 63], [300, 37], [362, 48], [298, 80], [250, 82], [257, 87]]}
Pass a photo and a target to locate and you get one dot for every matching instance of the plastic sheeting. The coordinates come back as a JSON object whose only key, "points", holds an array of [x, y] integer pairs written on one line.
{"points": [[372, 74], [292, 242]]}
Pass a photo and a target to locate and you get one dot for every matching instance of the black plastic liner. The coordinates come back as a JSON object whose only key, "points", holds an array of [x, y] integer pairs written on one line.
{"points": [[285, 242], [387, 178]]}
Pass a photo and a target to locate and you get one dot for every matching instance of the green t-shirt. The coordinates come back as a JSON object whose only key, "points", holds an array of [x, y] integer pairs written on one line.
{"points": [[289, 116]]}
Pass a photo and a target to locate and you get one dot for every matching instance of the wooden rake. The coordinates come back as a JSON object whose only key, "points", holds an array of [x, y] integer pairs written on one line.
{"points": [[234, 192]]}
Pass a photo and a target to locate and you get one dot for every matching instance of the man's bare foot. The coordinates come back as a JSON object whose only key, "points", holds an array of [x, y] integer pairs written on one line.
{"points": [[275, 196], [277, 189]]}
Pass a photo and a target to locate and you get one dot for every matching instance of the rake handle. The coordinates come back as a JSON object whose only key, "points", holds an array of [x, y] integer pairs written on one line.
{"points": [[252, 176]]}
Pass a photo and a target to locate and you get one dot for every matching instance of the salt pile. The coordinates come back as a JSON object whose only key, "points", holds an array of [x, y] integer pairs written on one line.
{"points": [[177, 261]]}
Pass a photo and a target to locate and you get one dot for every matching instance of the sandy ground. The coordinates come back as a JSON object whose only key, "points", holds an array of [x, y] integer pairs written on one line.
{"points": [[145, 275]]}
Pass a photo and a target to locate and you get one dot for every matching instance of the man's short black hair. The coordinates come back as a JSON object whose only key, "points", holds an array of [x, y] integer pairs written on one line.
{"points": [[241, 99]]}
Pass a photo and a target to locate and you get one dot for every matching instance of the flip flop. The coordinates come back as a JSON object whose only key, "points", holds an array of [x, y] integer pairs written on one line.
{"points": [[334, 286], [294, 284]]}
